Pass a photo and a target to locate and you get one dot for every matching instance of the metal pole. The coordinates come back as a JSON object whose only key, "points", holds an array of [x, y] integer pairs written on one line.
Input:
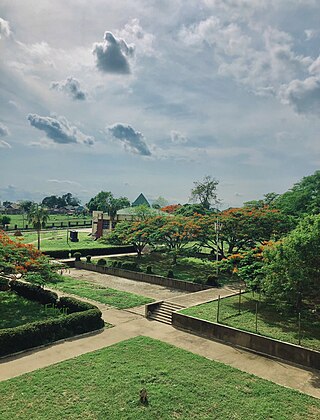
{"points": [[217, 250], [256, 317], [240, 301], [299, 327], [218, 309]]}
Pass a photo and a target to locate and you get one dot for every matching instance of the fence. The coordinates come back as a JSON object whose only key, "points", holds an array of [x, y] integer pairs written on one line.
{"points": [[53, 225]]}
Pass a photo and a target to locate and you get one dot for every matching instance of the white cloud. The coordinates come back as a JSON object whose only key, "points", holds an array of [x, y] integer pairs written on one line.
{"points": [[64, 181], [4, 28], [303, 95], [4, 145], [71, 87], [177, 137], [4, 131], [59, 130], [142, 40], [132, 140], [112, 55]]}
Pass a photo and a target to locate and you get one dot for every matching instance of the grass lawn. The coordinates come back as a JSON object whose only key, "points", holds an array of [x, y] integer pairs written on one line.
{"points": [[105, 384], [106, 295], [15, 310], [57, 240], [271, 322], [187, 268]]}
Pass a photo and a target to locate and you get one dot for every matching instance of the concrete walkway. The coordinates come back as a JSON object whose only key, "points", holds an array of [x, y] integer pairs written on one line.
{"points": [[128, 324]]}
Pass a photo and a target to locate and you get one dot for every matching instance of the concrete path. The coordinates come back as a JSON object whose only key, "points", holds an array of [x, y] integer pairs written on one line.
{"points": [[128, 324], [196, 298], [153, 291]]}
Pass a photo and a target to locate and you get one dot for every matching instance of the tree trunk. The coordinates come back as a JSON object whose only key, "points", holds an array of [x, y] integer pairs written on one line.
{"points": [[39, 240]]}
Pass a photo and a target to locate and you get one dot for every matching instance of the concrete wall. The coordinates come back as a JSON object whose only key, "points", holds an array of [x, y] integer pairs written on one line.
{"points": [[255, 342], [146, 278]]}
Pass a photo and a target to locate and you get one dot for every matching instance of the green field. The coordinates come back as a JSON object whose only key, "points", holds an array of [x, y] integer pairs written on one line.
{"points": [[106, 295], [105, 384], [57, 240], [16, 310], [271, 321]]}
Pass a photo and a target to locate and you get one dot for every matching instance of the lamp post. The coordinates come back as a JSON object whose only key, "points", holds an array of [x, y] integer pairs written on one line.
{"points": [[217, 226]]}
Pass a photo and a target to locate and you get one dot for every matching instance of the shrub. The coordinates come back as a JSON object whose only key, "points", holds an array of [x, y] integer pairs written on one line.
{"points": [[119, 264], [88, 258], [77, 256], [170, 274], [114, 263], [101, 261], [213, 281], [33, 292], [4, 284], [132, 266], [92, 251], [42, 332], [74, 305], [198, 280], [149, 269]]}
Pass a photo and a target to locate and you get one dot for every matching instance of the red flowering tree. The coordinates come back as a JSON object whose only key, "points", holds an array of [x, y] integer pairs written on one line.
{"points": [[19, 258], [241, 228], [171, 208]]}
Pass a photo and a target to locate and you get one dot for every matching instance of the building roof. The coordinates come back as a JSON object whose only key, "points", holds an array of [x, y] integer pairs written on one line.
{"points": [[141, 201]]}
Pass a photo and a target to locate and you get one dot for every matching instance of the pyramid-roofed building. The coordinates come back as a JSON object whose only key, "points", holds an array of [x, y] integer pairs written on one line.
{"points": [[141, 201]]}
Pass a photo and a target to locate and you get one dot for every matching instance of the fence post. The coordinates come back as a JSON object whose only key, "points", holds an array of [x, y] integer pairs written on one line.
{"points": [[218, 309], [240, 301], [256, 317], [299, 328]]}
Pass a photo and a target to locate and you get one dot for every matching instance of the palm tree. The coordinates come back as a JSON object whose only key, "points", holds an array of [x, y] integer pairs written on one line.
{"points": [[38, 216]]}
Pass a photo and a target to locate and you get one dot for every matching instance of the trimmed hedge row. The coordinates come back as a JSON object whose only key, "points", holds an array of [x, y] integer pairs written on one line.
{"points": [[83, 317], [92, 251], [33, 292], [38, 333], [74, 305]]}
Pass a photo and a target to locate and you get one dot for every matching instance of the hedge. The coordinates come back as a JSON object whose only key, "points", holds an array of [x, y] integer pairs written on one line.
{"points": [[33, 292], [74, 305], [92, 251], [83, 317], [38, 333]]}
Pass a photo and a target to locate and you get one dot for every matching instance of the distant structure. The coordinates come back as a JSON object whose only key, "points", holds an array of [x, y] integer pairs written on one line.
{"points": [[140, 201], [102, 223]]}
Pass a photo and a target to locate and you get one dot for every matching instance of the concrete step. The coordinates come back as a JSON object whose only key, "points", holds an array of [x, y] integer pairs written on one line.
{"points": [[161, 318]]}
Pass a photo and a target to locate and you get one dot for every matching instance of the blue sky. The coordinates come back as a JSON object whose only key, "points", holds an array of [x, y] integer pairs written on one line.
{"points": [[149, 96]]}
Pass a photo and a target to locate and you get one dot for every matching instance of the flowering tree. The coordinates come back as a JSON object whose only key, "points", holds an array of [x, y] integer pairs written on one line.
{"points": [[241, 228], [19, 258], [171, 208]]}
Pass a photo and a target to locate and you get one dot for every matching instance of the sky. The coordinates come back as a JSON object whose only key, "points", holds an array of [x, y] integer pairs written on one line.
{"points": [[150, 96]]}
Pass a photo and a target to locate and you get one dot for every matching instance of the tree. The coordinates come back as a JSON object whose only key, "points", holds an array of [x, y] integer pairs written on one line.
{"points": [[106, 202], [303, 198], [241, 229], [5, 220], [172, 208], [159, 202], [189, 210], [205, 192], [38, 217], [16, 257], [25, 207], [70, 200], [292, 266], [175, 233], [138, 234]]}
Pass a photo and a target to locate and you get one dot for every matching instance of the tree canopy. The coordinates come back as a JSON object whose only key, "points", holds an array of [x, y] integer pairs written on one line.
{"points": [[106, 202], [292, 266], [205, 192]]}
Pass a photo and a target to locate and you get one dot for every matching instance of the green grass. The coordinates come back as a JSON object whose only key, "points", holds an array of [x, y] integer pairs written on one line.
{"points": [[271, 322], [106, 295], [16, 310], [105, 384], [187, 268], [57, 240]]}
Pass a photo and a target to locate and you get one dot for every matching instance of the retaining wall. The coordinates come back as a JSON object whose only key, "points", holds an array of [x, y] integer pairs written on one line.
{"points": [[146, 278], [264, 345]]}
